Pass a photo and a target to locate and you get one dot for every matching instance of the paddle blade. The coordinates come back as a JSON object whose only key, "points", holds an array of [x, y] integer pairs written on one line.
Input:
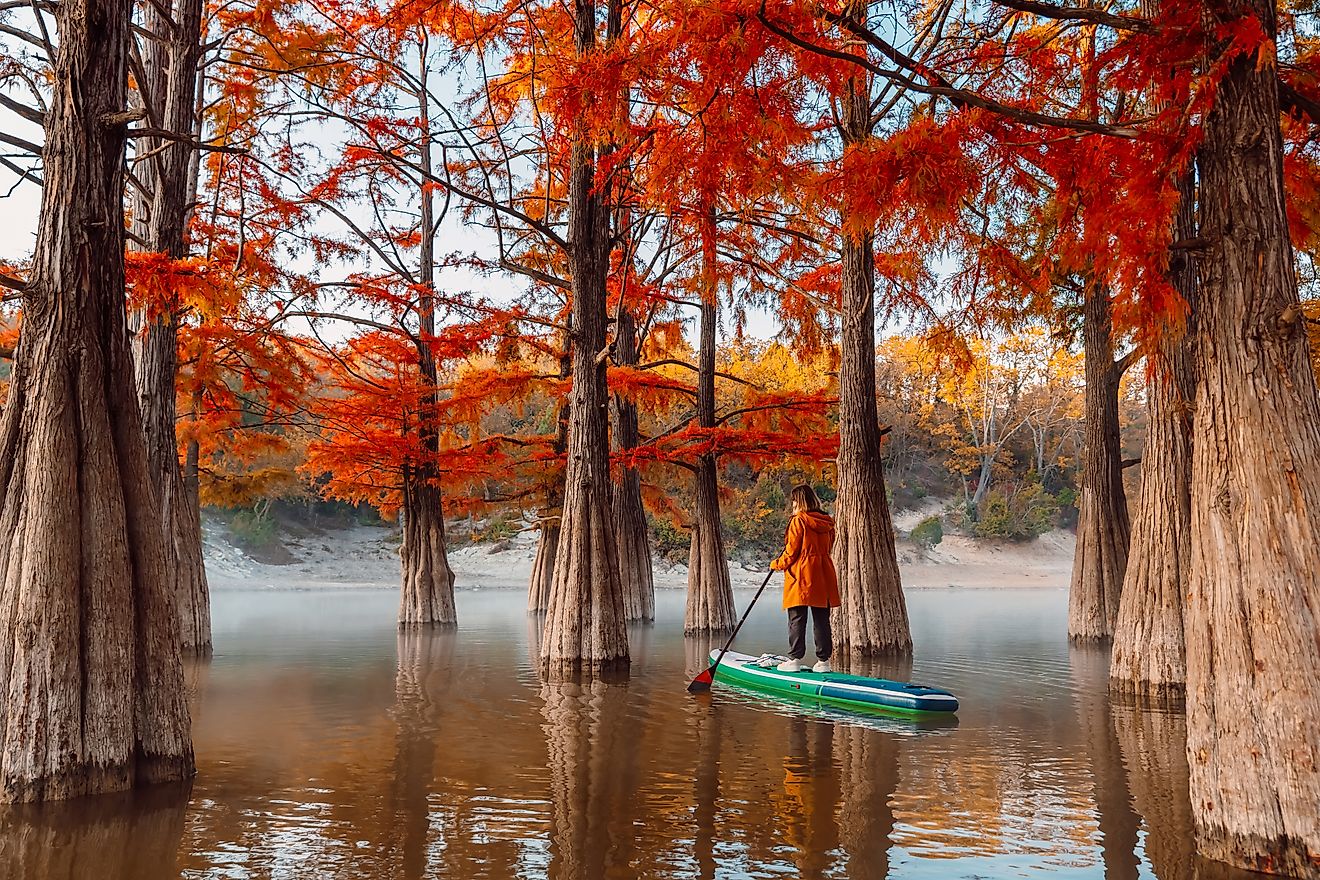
{"points": [[701, 683]]}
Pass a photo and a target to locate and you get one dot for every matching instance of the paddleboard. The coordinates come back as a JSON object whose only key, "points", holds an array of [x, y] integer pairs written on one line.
{"points": [[839, 688]]}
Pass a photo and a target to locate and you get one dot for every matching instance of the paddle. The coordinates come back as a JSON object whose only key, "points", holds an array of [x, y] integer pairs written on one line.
{"points": [[701, 683]]}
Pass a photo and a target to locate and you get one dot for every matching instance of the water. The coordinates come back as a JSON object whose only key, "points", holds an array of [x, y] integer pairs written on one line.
{"points": [[328, 746]]}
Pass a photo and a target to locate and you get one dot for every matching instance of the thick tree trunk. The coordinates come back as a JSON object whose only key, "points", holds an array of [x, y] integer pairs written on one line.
{"points": [[1149, 654], [543, 564], [427, 596], [1253, 603], [629, 514], [89, 630], [193, 591], [585, 618], [873, 618], [547, 542], [1102, 524], [709, 591], [161, 208]]}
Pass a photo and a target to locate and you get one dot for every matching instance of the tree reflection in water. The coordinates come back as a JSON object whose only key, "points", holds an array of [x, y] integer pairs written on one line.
{"points": [[424, 680], [593, 769], [868, 762], [132, 835], [1119, 823]]}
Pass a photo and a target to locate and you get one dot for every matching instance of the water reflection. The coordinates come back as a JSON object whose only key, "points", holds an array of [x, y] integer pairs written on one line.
{"points": [[128, 836], [1118, 822], [425, 676], [331, 746], [593, 777]]}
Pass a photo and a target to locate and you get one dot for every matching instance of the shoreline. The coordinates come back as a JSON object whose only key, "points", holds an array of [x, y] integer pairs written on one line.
{"points": [[366, 557]]}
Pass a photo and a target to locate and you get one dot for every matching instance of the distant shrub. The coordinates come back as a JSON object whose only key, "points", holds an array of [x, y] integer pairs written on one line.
{"points": [[254, 528], [928, 533], [671, 543], [1016, 513]]}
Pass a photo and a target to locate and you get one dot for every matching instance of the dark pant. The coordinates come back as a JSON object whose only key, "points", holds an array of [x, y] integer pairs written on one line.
{"points": [[820, 632]]}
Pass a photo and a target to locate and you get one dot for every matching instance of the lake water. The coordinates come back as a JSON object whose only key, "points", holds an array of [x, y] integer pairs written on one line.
{"points": [[329, 746]]}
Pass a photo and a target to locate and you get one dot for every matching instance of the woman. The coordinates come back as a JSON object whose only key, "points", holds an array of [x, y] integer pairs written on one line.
{"points": [[810, 581]]}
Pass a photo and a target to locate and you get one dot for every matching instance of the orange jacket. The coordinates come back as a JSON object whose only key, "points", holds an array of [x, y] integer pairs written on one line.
{"points": [[809, 576]]}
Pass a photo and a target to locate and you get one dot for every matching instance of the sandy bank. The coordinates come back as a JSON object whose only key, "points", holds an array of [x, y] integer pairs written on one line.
{"points": [[366, 556]]}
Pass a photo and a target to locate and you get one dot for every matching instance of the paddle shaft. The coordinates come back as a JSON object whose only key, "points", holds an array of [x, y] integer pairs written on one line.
{"points": [[725, 649]]}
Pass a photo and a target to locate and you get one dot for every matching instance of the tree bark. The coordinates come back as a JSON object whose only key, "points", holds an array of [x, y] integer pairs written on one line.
{"points": [[1102, 525], [1253, 603], [161, 210], [1149, 654], [89, 628], [585, 618], [873, 618], [547, 542], [709, 590], [427, 595], [629, 514]]}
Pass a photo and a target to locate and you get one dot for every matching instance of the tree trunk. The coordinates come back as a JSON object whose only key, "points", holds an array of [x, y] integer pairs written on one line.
{"points": [[1102, 523], [709, 591], [427, 596], [585, 619], [161, 208], [873, 618], [89, 630], [543, 564], [1149, 655], [629, 514], [1253, 603], [547, 542], [193, 593]]}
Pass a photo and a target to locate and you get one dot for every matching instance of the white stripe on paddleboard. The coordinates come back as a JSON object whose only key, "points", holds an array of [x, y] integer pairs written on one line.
{"points": [[788, 677]]}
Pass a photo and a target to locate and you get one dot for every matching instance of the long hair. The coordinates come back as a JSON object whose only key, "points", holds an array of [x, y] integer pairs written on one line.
{"points": [[804, 498]]}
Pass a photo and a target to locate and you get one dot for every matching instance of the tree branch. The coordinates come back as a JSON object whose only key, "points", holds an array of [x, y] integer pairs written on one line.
{"points": [[959, 97], [1074, 13], [1128, 359], [20, 143], [671, 362], [31, 114], [167, 135], [13, 283]]}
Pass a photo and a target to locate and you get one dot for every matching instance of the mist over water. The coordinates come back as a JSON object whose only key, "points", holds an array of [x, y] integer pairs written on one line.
{"points": [[329, 745]]}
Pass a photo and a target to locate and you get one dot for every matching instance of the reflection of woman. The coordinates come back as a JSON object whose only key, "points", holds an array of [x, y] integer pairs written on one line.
{"points": [[811, 584]]}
